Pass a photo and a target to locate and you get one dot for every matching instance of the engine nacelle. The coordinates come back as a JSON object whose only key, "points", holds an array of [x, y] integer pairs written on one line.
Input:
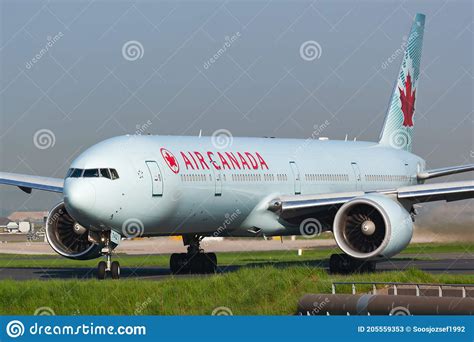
{"points": [[68, 238], [372, 226]]}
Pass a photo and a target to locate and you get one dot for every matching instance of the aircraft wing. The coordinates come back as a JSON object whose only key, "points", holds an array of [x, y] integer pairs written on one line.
{"points": [[446, 171], [28, 182], [451, 191], [292, 205]]}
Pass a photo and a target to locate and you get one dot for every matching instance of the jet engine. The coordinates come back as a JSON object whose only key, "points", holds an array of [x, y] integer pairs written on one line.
{"points": [[372, 226], [68, 238]]}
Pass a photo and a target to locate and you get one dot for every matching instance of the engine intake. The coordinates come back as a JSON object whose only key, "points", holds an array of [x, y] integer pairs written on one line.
{"points": [[372, 226], [68, 238]]}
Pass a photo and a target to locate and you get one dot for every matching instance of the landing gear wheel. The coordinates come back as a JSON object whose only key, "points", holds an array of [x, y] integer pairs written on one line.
{"points": [[203, 263], [179, 263], [115, 270], [368, 267], [174, 263], [345, 264], [338, 263], [195, 260], [199, 263], [101, 270], [212, 262]]}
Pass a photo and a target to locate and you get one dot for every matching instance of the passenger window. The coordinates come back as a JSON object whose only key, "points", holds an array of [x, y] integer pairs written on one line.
{"points": [[77, 173], [88, 173], [114, 174], [105, 173]]}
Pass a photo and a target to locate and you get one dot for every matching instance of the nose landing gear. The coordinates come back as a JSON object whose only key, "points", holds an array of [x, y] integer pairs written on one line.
{"points": [[109, 266], [195, 261]]}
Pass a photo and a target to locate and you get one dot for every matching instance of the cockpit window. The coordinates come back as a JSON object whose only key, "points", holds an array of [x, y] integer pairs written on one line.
{"points": [[91, 173], [114, 174], [76, 173], [105, 173]]}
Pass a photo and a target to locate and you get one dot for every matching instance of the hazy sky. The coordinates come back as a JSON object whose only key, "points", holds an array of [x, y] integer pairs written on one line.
{"points": [[64, 69]]}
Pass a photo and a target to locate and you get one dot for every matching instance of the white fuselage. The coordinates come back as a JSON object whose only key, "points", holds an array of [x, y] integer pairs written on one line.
{"points": [[178, 185]]}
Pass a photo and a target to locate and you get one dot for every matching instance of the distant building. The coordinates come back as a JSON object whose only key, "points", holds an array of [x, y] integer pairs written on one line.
{"points": [[28, 216], [24, 221], [25, 227], [12, 227], [3, 223]]}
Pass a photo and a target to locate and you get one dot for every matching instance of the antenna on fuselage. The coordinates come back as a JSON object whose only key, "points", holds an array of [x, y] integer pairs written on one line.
{"points": [[200, 133], [345, 139]]}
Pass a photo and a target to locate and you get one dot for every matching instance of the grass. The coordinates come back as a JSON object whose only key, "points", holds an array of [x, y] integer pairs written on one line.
{"points": [[422, 251], [434, 248], [263, 289], [248, 291]]}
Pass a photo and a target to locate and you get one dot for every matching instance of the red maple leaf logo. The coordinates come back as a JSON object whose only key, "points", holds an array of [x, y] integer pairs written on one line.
{"points": [[407, 99], [170, 159]]}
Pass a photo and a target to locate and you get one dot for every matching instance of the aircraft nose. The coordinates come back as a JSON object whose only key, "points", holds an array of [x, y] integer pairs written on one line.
{"points": [[79, 196]]}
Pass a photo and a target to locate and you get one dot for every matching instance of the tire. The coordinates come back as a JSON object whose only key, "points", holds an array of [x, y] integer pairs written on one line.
{"points": [[335, 262], [343, 264], [198, 264], [174, 263], [184, 264], [179, 263], [101, 270], [369, 266], [212, 262], [115, 270]]}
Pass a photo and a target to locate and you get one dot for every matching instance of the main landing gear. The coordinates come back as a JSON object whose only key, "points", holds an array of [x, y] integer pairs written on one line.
{"points": [[195, 260], [345, 264]]}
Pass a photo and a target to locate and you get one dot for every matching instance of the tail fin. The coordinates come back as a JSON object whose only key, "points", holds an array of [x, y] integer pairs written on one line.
{"points": [[398, 127]]}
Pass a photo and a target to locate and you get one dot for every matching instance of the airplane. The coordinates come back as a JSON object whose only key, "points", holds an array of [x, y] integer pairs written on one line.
{"points": [[366, 193]]}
